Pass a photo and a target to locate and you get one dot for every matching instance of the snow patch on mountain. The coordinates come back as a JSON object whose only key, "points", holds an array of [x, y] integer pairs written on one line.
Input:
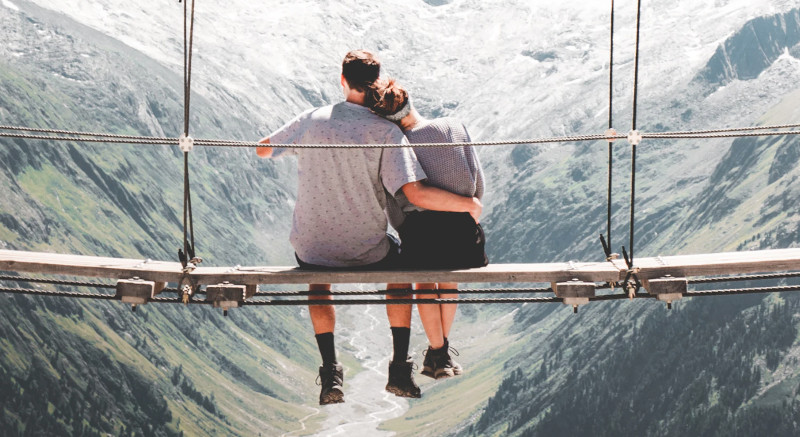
{"points": [[10, 5]]}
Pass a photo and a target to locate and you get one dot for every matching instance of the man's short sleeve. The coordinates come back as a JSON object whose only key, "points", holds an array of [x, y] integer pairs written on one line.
{"points": [[290, 133], [399, 166]]}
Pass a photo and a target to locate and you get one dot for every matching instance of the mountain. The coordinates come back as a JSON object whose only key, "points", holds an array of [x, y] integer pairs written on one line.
{"points": [[754, 48], [725, 367], [93, 368], [511, 69]]}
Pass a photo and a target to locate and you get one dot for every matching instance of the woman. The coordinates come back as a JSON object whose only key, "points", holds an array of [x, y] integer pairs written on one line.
{"points": [[433, 239]]}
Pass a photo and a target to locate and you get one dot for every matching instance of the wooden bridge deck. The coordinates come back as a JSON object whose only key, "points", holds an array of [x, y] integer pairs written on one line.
{"points": [[779, 260]]}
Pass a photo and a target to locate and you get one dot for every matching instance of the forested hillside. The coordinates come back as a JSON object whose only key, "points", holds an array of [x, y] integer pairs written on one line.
{"points": [[711, 366]]}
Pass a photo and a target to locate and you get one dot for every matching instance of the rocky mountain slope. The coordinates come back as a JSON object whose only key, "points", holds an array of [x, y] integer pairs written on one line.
{"points": [[711, 367], [93, 368]]}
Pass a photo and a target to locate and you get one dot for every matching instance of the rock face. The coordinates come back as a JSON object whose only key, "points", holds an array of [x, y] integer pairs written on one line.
{"points": [[607, 372], [752, 49], [75, 368]]}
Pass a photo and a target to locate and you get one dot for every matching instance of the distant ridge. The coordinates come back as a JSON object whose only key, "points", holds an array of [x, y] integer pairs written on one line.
{"points": [[751, 50]]}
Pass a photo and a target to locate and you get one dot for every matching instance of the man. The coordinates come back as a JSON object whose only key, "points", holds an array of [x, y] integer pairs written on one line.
{"points": [[339, 219]]}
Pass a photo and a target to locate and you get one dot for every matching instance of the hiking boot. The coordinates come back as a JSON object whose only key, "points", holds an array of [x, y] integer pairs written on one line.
{"points": [[439, 364], [330, 378], [428, 364], [401, 379], [457, 369]]}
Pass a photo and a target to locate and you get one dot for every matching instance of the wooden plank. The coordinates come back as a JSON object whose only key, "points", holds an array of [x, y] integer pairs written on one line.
{"points": [[160, 271], [503, 273], [79, 265], [726, 263]]}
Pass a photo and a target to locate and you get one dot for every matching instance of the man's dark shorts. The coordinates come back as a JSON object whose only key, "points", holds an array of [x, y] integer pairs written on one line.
{"points": [[442, 240], [392, 260]]}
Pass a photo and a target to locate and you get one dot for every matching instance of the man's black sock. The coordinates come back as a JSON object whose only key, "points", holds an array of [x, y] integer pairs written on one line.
{"points": [[326, 348], [400, 337]]}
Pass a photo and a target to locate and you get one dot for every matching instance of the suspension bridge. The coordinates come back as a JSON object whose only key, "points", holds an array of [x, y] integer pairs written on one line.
{"points": [[142, 281]]}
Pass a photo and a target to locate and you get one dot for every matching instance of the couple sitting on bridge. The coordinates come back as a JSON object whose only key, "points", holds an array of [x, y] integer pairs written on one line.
{"points": [[430, 195]]}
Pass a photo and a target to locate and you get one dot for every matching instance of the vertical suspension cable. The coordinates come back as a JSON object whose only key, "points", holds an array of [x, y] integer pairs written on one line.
{"points": [[636, 64], [187, 66], [633, 127], [188, 224], [607, 245]]}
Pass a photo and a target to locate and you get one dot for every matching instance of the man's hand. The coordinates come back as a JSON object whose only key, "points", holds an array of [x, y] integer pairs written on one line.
{"points": [[476, 210], [264, 152], [436, 199]]}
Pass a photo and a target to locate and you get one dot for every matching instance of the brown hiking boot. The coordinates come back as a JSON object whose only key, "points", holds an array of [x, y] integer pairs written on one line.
{"points": [[401, 379], [331, 379], [439, 364]]}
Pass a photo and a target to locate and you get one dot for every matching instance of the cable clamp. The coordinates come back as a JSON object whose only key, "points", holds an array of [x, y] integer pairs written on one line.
{"points": [[186, 294], [186, 143], [611, 135], [631, 290], [634, 137], [612, 257]]}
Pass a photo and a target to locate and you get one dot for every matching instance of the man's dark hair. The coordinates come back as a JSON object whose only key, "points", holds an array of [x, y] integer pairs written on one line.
{"points": [[360, 69]]}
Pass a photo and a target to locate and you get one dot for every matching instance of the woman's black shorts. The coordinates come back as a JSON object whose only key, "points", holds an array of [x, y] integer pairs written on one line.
{"points": [[442, 240]]}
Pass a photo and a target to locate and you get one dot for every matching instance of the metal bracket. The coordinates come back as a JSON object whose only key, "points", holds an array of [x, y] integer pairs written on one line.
{"points": [[226, 296], [137, 291], [667, 289], [250, 290], [575, 292], [576, 302], [634, 137], [186, 143]]}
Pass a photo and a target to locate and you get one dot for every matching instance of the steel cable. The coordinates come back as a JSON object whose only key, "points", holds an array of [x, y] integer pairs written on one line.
{"points": [[499, 300], [759, 277], [158, 141], [404, 291], [607, 243], [725, 130], [55, 281], [720, 135], [57, 293], [734, 291]]}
